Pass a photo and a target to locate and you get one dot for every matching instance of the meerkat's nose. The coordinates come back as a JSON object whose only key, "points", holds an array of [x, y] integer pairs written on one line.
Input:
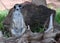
{"points": [[17, 9]]}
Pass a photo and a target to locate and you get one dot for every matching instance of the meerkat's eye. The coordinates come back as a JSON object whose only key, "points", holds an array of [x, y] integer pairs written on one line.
{"points": [[20, 6], [14, 7]]}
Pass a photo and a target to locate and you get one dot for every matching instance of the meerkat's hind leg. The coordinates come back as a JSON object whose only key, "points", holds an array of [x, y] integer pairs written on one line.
{"points": [[50, 27]]}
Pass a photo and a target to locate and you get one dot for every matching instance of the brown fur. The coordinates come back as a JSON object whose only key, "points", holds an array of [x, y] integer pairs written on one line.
{"points": [[36, 16]]}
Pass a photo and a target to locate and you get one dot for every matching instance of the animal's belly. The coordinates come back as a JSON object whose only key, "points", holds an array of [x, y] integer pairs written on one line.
{"points": [[17, 22]]}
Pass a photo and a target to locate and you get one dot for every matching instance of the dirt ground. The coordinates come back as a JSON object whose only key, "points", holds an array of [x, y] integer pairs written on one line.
{"points": [[54, 3], [7, 4]]}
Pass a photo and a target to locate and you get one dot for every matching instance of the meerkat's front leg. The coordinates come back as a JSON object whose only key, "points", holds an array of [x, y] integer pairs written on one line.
{"points": [[50, 27]]}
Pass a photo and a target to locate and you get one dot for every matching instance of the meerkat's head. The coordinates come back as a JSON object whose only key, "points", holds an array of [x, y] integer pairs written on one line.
{"points": [[17, 7]]}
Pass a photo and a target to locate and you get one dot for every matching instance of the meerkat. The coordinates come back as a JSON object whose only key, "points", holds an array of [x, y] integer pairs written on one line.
{"points": [[16, 21]]}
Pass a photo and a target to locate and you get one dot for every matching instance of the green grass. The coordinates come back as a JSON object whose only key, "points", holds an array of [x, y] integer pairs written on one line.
{"points": [[57, 17], [3, 14]]}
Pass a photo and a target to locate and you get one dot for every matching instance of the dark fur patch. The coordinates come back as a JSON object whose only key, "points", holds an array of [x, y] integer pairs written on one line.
{"points": [[36, 16]]}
